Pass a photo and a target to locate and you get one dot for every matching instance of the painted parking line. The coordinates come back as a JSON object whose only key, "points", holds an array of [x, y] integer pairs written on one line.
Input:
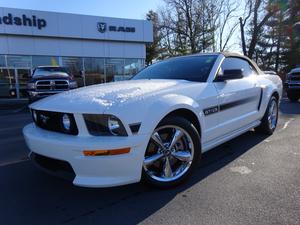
{"points": [[11, 128], [13, 162], [286, 124]]}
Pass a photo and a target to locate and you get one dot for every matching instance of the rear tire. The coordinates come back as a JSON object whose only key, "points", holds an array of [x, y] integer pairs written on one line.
{"points": [[168, 163], [270, 119]]}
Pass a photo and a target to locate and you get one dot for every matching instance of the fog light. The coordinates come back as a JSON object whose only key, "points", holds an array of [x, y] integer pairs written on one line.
{"points": [[106, 152], [66, 122]]}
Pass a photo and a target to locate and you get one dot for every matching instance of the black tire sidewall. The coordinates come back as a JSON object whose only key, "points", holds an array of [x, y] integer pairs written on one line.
{"points": [[192, 131], [265, 123]]}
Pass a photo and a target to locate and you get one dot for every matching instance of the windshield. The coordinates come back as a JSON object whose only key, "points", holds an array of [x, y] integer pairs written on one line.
{"points": [[46, 71], [192, 68]]}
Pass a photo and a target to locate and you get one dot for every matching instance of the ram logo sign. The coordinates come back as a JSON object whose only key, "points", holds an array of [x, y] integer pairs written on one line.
{"points": [[102, 27]]}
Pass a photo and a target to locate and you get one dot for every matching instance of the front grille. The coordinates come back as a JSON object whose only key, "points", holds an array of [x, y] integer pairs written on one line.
{"points": [[294, 85], [52, 85], [297, 78], [57, 167], [53, 121]]}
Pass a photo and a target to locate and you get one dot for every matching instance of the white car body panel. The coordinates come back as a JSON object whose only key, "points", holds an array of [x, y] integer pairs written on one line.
{"points": [[147, 102]]}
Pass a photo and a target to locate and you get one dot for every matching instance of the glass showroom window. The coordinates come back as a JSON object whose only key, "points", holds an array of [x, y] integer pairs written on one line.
{"points": [[94, 71], [19, 61], [7, 83], [18, 74], [74, 67], [2, 61], [6, 78], [132, 67], [44, 61], [114, 69]]}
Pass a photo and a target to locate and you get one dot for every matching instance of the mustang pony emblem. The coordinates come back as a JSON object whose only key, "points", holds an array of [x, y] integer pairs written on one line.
{"points": [[44, 118]]}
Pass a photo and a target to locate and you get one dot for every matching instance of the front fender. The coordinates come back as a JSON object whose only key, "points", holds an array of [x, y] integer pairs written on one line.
{"points": [[270, 85], [163, 107]]}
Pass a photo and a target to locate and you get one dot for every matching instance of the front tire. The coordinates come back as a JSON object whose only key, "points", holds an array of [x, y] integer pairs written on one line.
{"points": [[270, 119], [172, 153]]}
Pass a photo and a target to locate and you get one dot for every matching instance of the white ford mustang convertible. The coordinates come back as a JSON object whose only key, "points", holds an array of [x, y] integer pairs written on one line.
{"points": [[155, 126]]}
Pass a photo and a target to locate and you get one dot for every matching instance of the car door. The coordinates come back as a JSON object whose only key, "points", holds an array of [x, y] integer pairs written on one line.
{"points": [[238, 98]]}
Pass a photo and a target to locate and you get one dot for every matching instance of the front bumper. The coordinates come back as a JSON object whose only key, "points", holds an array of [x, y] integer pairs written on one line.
{"points": [[36, 95], [91, 171], [293, 88]]}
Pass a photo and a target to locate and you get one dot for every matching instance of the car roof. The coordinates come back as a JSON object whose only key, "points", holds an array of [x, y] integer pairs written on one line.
{"points": [[226, 54]]}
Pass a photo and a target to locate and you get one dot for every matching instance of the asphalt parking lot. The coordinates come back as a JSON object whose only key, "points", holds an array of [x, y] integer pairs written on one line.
{"points": [[253, 179]]}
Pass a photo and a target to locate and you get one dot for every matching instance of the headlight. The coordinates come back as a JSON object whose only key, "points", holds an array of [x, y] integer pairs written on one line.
{"points": [[34, 115], [73, 84], [113, 125], [104, 125], [66, 122], [30, 85]]}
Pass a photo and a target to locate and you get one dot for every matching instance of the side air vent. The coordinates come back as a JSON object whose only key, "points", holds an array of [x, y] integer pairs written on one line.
{"points": [[135, 127]]}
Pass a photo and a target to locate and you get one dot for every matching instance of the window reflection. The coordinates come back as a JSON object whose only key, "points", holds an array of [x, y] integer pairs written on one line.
{"points": [[132, 67], [7, 83], [74, 67], [114, 69], [2, 61], [86, 71], [44, 61], [94, 71], [19, 61]]}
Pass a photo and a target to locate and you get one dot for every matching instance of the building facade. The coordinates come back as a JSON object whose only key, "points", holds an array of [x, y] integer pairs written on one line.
{"points": [[95, 49]]}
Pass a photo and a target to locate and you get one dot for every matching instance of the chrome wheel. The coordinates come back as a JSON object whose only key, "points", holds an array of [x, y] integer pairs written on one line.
{"points": [[273, 114], [169, 154]]}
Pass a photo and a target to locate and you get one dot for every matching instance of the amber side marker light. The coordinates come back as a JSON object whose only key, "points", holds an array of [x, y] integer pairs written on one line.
{"points": [[106, 152]]}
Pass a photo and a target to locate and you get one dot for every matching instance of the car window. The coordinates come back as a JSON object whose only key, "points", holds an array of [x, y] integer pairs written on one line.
{"points": [[232, 63], [192, 68]]}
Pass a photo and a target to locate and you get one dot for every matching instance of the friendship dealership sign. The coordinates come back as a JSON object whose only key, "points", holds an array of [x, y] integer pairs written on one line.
{"points": [[33, 21], [23, 20]]}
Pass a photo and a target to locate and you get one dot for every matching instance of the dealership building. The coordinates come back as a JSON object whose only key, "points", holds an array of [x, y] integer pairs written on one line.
{"points": [[95, 49]]}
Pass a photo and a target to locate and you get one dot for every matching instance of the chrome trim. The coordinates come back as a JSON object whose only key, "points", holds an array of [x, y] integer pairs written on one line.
{"points": [[52, 84], [172, 158], [273, 115]]}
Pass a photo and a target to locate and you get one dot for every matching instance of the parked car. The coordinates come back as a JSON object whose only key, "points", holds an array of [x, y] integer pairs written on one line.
{"points": [[292, 85], [49, 80], [155, 126]]}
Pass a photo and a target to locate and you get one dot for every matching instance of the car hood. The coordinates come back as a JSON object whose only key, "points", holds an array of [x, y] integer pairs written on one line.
{"points": [[51, 76], [98, 98]]}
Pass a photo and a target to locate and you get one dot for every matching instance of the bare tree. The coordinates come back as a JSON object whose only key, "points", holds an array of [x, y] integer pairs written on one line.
{"points": [[153, 49], [227, 22], [258, 13]]}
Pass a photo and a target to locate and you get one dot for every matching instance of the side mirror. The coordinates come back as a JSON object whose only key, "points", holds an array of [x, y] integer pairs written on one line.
{"points": [[230, 75]]}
